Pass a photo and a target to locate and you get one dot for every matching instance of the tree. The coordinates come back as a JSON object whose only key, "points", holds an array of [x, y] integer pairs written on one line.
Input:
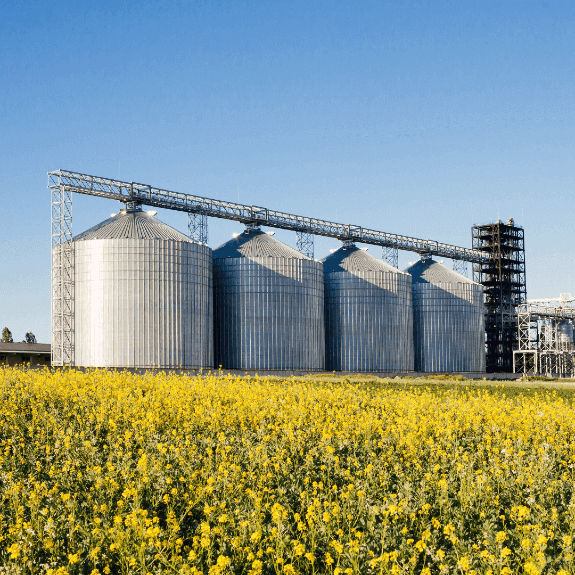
{"points": [[6, 336], [30, 338]]}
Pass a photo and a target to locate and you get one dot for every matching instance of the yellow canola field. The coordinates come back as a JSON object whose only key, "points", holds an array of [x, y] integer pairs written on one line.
{"points": [[108, 472]]}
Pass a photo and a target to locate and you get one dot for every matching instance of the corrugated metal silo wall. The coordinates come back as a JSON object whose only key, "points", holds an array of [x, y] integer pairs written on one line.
{"points": [[143, 303], [449, 327], [369, 321], [269, 314]]}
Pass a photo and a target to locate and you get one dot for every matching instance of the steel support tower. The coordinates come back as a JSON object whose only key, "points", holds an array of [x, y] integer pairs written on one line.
{"points": [[390, 255], [62, 278], [304, 243], [460, 267], [503, 277], [198, 227], [546, 329]]}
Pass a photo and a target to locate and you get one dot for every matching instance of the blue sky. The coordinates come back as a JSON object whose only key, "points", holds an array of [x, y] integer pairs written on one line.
{"points": [[418, 118]]}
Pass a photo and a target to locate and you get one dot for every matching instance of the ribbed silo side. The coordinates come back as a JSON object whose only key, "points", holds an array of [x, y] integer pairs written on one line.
{"points": [[143, 302], [268, 313], [369, 321], [449, 327], [369, 313]]}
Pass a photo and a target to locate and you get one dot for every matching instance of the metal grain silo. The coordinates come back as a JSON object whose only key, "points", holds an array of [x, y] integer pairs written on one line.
{"points": [[448, 318], [368, 313], [143, 295], [268, 305], [565, 334]]}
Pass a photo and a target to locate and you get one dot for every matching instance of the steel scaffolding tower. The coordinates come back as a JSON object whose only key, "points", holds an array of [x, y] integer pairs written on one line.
{"points": [[62, 278], [198, 227], [390, 256], [503, 277], [304, 243], [460, 267], [545, 337]]}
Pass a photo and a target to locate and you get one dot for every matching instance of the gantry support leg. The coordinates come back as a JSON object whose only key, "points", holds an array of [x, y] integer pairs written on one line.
{"points": [[460, 266], [198, 227], [62, 277], [304, 244], [390, 255]]}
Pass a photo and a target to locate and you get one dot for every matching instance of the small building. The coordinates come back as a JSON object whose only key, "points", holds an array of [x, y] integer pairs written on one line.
{"points": [[21, 353]]}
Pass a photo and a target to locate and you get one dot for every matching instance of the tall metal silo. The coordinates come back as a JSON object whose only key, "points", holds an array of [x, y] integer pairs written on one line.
{"points": [[368, 313], [268, 305], [143, 295], [448, 317]]}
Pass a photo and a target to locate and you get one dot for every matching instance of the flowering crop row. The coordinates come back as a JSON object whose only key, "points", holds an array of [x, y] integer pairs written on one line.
{"points": [[108, 472]]}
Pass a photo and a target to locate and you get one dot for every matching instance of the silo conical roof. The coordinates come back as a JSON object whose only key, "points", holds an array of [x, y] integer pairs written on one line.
{"points": [[350, 258], [133, 225], [431, 272], [253, 243]]}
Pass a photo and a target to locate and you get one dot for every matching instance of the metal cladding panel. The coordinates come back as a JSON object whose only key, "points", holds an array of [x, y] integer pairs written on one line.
{"points": [[143, 303], [269, 313], [449, 329], [369, 321]]}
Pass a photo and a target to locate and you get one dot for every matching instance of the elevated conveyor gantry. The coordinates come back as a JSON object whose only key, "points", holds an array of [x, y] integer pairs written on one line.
{"points": [[128, 192], [64, 183]]}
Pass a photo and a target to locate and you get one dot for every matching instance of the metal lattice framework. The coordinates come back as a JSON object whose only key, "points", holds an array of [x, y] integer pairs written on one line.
{"points": [[390, 256], [152, 196], [503, 278], [198, 227], [545, 337], [304, 244], [460, 267], [62, 278]]}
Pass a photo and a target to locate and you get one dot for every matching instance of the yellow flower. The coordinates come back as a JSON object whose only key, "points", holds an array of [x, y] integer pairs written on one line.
{"points": [[530, 569], [299, 549], [338, 547]]}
